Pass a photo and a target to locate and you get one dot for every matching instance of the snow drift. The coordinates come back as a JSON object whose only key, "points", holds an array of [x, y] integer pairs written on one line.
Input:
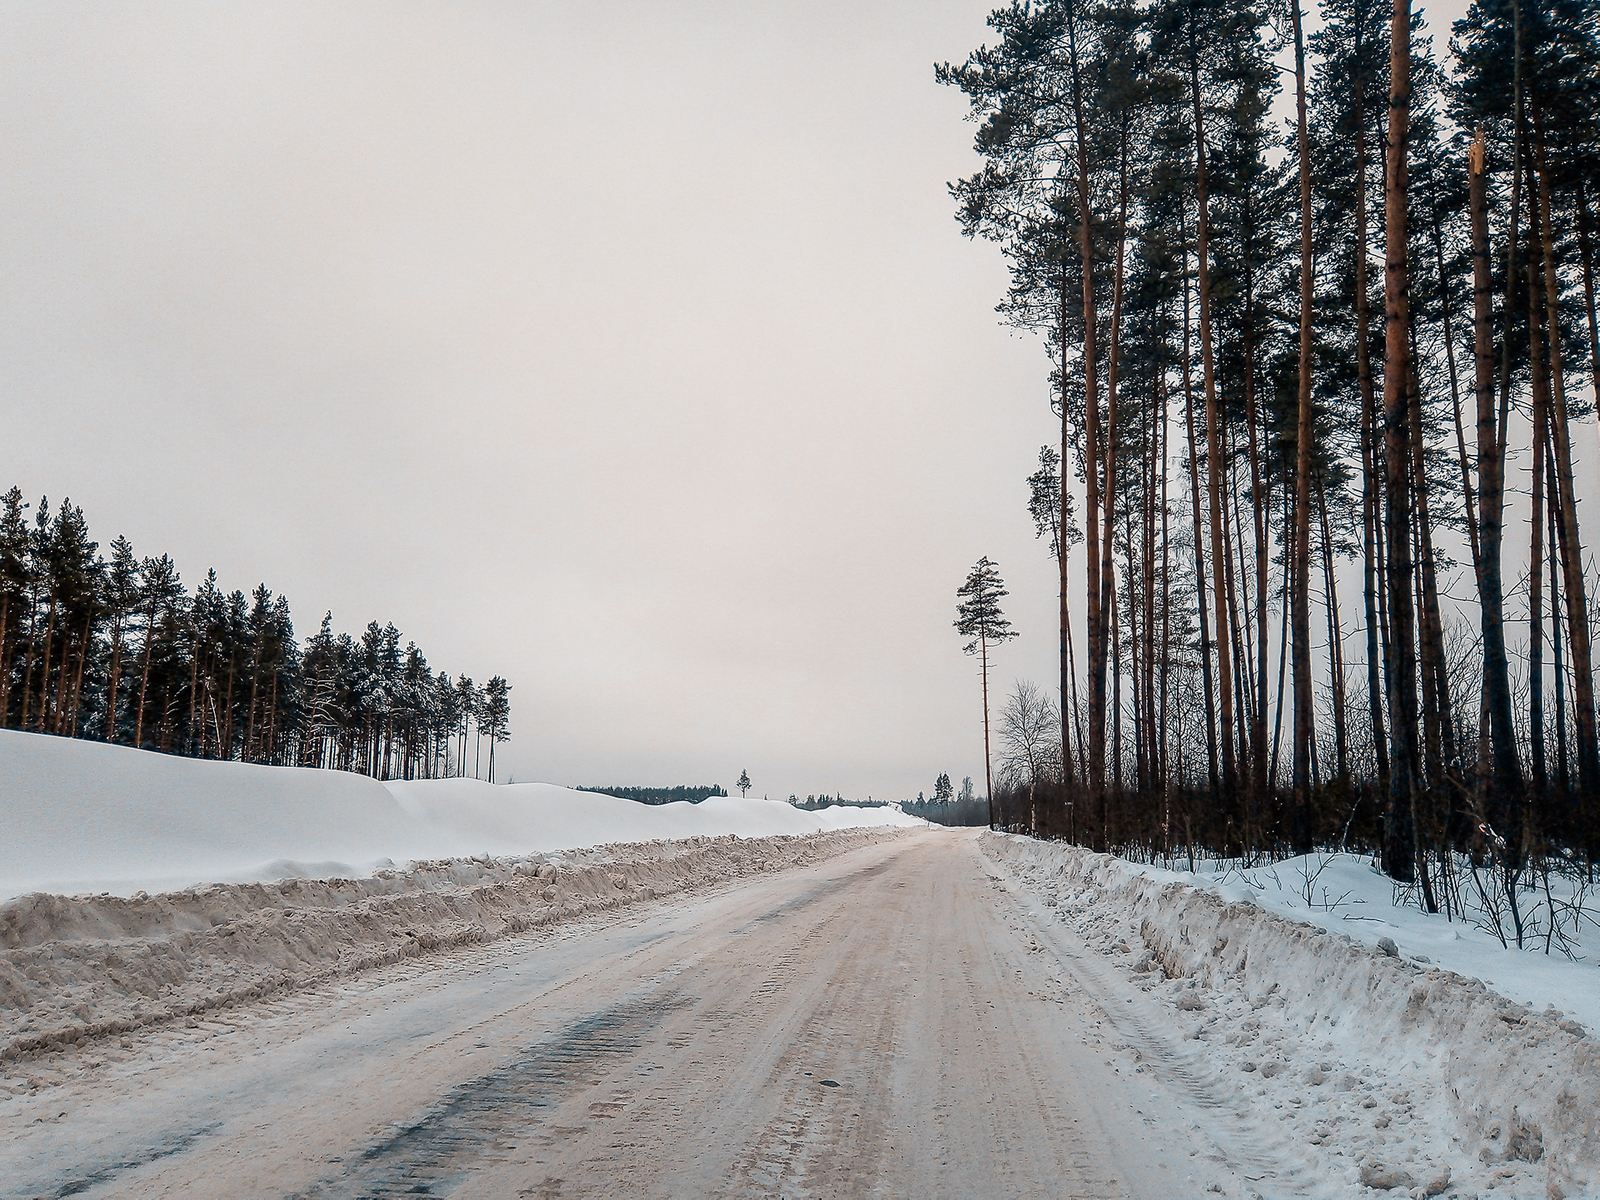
{"points": [[1517, 1092], [73, 968], [90, 817], [289, 875]]}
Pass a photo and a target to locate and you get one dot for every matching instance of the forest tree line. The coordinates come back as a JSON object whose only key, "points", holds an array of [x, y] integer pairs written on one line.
{"points": [[819, 800], [115, 648], [949, 807], [1321, 388], [660, 795]]}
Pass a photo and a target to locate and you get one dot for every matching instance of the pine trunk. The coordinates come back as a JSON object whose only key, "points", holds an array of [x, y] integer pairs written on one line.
{"points": [[1107, 567], [1588, 294], [1258, 502], [1199, 559], [1092, 451], [1330, 600], [1301, 593], [44, 671], [1399, 858], [1219, 541], [1502, 782], [1541, 409], [1369, 470], [1567, 510]]}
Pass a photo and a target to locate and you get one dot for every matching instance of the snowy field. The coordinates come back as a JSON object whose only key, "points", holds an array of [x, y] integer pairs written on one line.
{"points": [[1367, 1037], [86, 817]]}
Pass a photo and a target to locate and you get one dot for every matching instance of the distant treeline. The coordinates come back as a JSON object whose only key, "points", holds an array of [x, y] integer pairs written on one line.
{"points": [[972, 810], [116, 649], [812, 803], [658, 795], [949, 807]]}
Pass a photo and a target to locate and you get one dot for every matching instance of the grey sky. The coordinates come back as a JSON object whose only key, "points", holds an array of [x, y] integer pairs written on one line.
{"points": [[630, 351]]}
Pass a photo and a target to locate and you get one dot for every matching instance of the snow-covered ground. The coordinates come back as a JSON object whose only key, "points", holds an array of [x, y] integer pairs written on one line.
{"points": [[77, 968], [1395, 1068], [89, 817], [1356, 1044], [877, 1022], [1347, 894]]}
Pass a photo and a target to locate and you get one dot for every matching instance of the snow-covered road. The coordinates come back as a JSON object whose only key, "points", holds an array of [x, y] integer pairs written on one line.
{"points": [[897, 1021]]}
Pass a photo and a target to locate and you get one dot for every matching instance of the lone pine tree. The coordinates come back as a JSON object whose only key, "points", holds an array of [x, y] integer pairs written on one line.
{"points": [[978, 617]]}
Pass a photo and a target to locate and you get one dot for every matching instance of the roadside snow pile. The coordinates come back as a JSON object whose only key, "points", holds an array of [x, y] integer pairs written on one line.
{"points": [[1346, 894], [73, 968], [1397, 1075], [518, 817], [86, 816], [89, 817]]}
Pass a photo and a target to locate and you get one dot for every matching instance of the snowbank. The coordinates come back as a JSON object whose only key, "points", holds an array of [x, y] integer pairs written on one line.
{"points": [[85, 816], [89, 817], [1346, 895], [1447, 1073], [80, 967], [520, 817]]}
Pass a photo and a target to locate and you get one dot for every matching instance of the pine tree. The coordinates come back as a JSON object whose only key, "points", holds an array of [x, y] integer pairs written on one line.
{"points": [[161, 589], [978, 617], [14, 596], [466, 713], [121, 596], [744, 783], [495, 718]]}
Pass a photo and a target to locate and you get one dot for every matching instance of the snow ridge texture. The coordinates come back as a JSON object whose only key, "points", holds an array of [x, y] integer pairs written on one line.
{"points": [[81, 967], [1399, 1076]]}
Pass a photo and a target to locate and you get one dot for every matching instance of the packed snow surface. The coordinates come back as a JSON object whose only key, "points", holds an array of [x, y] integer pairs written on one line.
{"points": [[89, 817]]}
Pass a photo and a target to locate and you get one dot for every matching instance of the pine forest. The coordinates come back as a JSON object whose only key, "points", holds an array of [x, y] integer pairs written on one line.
{"points": [[1320, 311], [117, 649]]}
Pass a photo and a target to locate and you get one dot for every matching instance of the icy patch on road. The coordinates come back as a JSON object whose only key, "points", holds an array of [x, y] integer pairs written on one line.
{"points": [[1392, 1076], [79, 967]]}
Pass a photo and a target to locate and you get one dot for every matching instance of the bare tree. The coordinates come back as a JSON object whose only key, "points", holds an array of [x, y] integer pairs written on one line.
{"points": [[1030, 740]]}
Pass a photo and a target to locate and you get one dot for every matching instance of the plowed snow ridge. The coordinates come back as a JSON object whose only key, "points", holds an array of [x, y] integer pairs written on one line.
{"points": [[1400, 1076], [73, 968]]}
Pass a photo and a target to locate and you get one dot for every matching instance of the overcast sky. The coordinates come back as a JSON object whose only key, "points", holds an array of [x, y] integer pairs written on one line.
{"points": [[630, 351]]}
